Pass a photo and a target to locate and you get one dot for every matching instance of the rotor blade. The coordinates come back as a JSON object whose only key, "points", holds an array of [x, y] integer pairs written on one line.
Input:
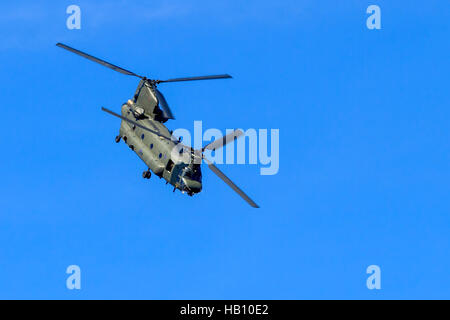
{"points": [[219, 76], [134, 123], [219, 143], [163, 103], [100, 61], [230, 183]]}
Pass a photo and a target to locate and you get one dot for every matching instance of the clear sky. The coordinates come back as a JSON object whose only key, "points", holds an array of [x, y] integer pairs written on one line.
{"points": [[364, 151]]}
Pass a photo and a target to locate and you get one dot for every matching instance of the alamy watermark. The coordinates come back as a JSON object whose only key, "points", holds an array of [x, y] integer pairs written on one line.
{"points": [[255, 146], [374, 20], [74, 19], [374, 280], [73, 282]]}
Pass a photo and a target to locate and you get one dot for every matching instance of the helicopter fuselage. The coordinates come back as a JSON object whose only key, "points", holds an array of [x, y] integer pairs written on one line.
{"points": [[160, 151]]}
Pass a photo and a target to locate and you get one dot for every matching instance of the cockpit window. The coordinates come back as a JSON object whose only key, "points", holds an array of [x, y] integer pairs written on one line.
{"points": [[197, 173]]}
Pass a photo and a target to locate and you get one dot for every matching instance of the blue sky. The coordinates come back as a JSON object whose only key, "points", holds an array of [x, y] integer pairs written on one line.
{"points": [[364, 151]]}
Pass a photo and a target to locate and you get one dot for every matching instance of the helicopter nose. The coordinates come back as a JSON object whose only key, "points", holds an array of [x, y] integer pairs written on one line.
{"points": [[193, 185]]}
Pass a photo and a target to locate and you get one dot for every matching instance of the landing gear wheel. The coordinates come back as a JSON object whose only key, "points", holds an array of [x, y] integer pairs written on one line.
{"points": [[132, 147], [146, 174], [117, 139]]}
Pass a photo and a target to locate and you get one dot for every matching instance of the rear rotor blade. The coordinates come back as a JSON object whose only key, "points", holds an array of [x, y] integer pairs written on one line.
{"points": [[164, 105], [135, 123], [219, 76], [100, 61], [219, 143], [230, 183]]}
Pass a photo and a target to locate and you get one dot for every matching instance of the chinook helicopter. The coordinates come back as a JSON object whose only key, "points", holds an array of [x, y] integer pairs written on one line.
{"points": [[142, 129]]}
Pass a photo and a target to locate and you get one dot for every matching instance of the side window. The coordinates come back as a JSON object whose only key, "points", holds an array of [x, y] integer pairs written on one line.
{"points": [[169, 166]]}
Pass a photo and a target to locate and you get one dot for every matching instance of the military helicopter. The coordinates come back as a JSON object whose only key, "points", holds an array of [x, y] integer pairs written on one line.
{"points": [[142, 129]]}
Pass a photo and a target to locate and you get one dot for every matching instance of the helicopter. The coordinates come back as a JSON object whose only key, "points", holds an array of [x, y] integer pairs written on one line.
{"points": [[143, 129]]}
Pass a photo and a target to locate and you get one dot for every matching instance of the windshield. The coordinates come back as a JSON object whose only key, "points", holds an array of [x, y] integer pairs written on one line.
{"points": [[194, 173]]}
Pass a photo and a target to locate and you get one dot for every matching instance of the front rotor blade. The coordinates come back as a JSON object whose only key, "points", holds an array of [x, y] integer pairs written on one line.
{"points": [[219, 76], [230, 183], [219, 143], [164, 105], [100, 61]]}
